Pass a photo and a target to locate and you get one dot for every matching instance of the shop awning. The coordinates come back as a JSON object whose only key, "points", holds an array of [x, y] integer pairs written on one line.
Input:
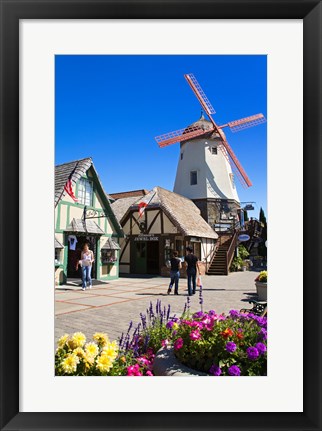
{"points": [[81, 226], [58, 244], [111, 245]]}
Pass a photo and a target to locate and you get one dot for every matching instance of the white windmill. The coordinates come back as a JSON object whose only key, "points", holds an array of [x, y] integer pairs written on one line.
{"points": [[207, 161]]}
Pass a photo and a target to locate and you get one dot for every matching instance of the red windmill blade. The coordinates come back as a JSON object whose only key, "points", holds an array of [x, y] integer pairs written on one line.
{"points": [[180, 135], [244, 123], [200, 94]]}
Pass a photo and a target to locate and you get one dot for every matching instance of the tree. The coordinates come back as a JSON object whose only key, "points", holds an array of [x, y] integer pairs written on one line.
{"points": [[262, 250]]}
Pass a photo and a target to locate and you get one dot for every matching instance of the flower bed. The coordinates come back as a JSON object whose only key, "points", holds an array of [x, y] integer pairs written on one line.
{"points": [[211, 343], [221, 345]]}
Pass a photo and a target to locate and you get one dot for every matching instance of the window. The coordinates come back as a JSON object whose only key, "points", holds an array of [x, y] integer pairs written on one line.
{"points": [[108, 256], [213, 150], [85, 192], [193, 178], [181, 155]]}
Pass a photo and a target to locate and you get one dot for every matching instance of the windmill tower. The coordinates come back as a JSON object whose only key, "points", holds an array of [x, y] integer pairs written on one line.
{"points": [[207, 165]]}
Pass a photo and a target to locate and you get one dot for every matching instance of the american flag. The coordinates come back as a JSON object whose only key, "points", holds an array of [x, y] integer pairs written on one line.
{"points": [[68, 187]]}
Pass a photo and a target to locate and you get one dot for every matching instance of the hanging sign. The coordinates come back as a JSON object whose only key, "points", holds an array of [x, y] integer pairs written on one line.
{"points": [[243, 237]]}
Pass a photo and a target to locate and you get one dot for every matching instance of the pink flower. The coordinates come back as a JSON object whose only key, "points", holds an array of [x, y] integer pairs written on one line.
{"points": [[165, 343], [178, 344], [143, 360], [134, 370], [148, 373], [195, 335]]}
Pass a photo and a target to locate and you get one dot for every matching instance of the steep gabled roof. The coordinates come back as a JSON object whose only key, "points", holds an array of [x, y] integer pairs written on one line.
{"points": [[184, 214], [62, 173]]}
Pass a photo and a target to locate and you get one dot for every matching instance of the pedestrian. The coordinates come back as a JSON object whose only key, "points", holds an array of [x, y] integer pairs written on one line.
{"points": [[86, 262], [192, 266], [176, 265]]}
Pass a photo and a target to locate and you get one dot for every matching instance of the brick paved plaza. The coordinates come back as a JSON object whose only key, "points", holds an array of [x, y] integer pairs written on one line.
{"points": [[110, 306]]}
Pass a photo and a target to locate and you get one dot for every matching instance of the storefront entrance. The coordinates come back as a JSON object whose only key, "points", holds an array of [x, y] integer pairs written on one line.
{"points": [[145, 257], [75, 255]]}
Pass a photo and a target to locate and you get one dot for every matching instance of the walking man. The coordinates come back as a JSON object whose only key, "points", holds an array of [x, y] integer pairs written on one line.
{"points": [[192, 266]]}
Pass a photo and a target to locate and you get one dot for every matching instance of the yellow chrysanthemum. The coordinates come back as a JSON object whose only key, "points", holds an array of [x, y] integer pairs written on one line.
{"points": [[69, 364], [91, 349], [78, 339], [101, 338], [110, 350], [62, 341], [89, 359], [104, 363], [79, 352]]}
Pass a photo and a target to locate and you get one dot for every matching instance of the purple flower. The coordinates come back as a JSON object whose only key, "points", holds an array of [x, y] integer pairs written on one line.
{"points": [[231, 347], [252, 353], [261, 348], [211, 312], [234, 370], [169, 324], [262, 335], [198, 315], [215, 370], [234, 313]]}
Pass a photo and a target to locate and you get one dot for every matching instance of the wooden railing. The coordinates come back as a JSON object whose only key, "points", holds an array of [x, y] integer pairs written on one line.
{"points": [[231, 250]]}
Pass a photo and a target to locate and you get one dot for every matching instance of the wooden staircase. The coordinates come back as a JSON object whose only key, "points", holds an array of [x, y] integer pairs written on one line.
{"points": [[224, 254]]}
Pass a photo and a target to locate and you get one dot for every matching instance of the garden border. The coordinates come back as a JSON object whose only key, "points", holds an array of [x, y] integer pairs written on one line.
{"points": [[11, 12]]}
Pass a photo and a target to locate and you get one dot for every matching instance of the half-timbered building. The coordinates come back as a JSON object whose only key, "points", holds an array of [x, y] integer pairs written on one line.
{"points": [[88, 218], [156, 224]]}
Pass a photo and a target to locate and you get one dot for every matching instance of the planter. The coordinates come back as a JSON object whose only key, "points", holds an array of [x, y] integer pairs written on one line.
{"points": [[166, 364], [261, 289]]}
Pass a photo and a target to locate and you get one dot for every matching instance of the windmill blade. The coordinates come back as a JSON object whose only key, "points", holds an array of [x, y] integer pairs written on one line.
{"points": [[243, 177], [201, 96], [180, 135], [233, 167], [245, 123]]}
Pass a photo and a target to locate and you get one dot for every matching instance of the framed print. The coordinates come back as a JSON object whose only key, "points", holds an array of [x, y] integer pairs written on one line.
{"points": [[36, 39]]}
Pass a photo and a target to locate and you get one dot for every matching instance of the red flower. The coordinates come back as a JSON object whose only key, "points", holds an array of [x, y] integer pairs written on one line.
{"points": [[227, 333]]}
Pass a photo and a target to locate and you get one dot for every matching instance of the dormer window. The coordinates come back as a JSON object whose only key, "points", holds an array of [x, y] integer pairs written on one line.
{"points": [[85, 192]]}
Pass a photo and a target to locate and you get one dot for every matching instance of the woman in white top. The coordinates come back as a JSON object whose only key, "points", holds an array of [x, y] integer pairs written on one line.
{"points": [[87, 259]]}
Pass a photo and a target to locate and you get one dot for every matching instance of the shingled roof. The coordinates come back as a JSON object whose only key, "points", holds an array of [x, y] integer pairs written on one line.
{"points": [[63, 171], [180, 210], [120, 206]]}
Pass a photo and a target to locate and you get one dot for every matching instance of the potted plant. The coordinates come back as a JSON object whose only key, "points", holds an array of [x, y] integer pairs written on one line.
{"points": [[261, 285]]}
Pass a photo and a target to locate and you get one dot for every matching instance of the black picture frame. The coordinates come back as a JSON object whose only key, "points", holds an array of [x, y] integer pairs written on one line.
{"points": [[11, 12]]}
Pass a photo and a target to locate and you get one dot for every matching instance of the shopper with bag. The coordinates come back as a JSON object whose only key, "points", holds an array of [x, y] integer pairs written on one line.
{"points": [[192, 266], [176, 265]]}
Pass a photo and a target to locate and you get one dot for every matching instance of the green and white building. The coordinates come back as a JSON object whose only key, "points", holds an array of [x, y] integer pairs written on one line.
{"points": [[73, 226]]}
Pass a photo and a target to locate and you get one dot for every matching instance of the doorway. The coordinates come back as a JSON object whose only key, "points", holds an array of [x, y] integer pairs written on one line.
{"points": [[75, 255], [153, 257]]}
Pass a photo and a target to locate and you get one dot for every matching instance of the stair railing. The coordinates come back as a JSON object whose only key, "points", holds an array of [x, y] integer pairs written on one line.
{"points": [[213, 252], [231, 250]]}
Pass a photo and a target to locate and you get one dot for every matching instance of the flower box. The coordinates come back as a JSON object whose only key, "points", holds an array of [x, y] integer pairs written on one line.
{"points": [[166, 364]]}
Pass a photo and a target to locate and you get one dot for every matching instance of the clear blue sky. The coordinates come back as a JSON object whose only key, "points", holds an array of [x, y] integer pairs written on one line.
{"points": [[110, 108]]}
